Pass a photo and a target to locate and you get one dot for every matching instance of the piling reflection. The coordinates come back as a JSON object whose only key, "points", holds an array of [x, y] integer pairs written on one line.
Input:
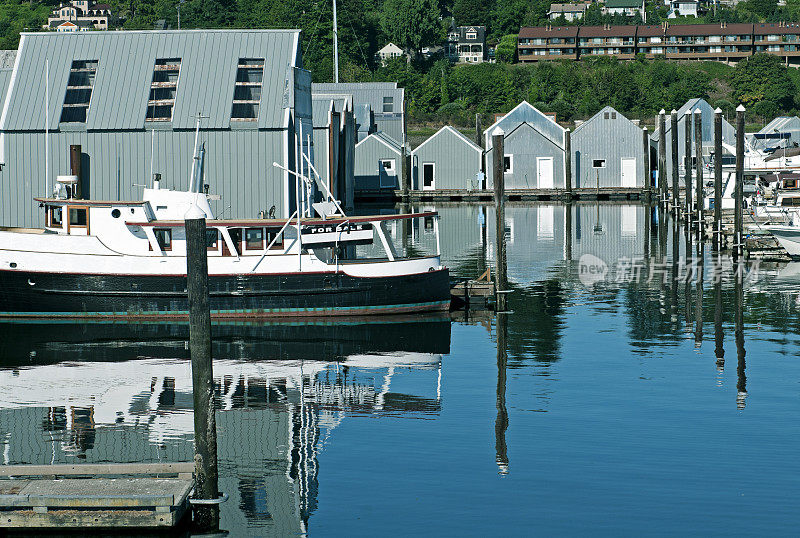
{"points": [[741, 377], [719, 335], [501, 422], [698, 305]]}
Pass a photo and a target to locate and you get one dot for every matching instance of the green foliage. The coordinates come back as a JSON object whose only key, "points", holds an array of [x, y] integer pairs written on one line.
{"points": [[412, 24], [17, 16], [506, 49], [763, 77]]}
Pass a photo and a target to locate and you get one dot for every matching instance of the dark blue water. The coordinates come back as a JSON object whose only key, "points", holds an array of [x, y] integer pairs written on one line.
{"points": [[600, 409]]}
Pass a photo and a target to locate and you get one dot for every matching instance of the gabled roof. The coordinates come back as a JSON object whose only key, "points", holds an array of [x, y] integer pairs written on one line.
{"points": [[607, 31], [781, 123], [527, 113], [776, 28], [623, 4], [449, 130], [384, 139], [709, 29], [600, 117], [529, 32], [322, 105], [209, 61]]}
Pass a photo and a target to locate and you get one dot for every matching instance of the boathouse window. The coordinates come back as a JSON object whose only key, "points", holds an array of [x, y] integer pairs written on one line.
{"points": [[163, 89], [77, 216], [598, 163], [508, 164], [55, 215], [79, 91], [163, 238], [247, 89], [212, 240], [254, 238], [388, 104]]}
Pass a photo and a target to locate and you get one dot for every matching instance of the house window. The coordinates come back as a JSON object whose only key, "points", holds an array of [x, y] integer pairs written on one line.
{"points": [[79, 91], [508, 164], [212, 240], [613, 115], [605, 115], [254, 238], [163, 238], [247, 89], [163, 89], [472, 35], [598, 163], [388, 104]]}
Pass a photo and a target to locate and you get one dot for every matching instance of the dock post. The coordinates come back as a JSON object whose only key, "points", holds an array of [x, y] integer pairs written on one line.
{"points": [[662, 157], [405, 172], [498, 173], [698, 155], [646, 150], [568, 165], [687, 166], [206, 516], [75, 170], [717, 226], [738, 218], [675, 161]]}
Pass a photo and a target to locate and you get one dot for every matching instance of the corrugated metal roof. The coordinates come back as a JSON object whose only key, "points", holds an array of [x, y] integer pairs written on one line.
{"points": [[371, 93], [209, 60], [600, 115], [321, 105], [527, 113], [5, 78], [781, 123]]}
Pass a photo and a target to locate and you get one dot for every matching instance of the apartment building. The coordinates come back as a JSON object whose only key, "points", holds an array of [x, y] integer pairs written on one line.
{"points": [[722, 42]]}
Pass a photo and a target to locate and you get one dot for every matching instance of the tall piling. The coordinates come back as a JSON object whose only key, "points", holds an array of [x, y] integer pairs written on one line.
{"points": [[646, 155], [687, 165], [698, 169], [206, 516], [662, 157], [717, 226], [568, 165], [738, 219], [675, 159], [405, 172], [498, 175]]}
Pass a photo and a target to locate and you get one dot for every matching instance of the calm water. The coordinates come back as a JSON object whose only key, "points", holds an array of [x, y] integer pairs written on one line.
{"points": [[600, 409]]}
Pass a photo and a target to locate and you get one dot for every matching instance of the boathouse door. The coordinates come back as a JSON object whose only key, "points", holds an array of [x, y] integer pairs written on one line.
{"points": [[428, 176], [544, 172], [628, 173]]}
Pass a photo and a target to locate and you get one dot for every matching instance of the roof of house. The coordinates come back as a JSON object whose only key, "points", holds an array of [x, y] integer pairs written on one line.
{"points": [[209, 62], [649, 30], [548, 31], [449, 130], [607, 31], [568, 8], [321, 107], [390, 47], [5, 79], [385, 139], [623, 3], [776, 28], [600, 116], [527, 113], [709, 29]]}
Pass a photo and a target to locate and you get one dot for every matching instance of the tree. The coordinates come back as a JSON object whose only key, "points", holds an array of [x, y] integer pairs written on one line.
{"points": [[471, 12], [412, 24], [506, 49], [762, 77]]}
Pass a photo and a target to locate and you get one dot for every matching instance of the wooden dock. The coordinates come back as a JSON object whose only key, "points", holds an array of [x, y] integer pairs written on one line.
{"points": [[138, 495], [513, 195]]}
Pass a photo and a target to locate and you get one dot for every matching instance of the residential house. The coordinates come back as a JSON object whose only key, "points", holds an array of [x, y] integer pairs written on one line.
{"points": [[629, 8], [682, 8], [130, 101], [547, 43], [570, 12], [619, 41], [467, 44], [82, 13], [389, 52]]}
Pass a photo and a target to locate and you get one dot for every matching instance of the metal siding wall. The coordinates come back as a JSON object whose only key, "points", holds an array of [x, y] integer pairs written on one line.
{"points": [[321, 152], [457, 163], [392, 127], [238, 167], [526, 145], [609, 139], [367, 156]]}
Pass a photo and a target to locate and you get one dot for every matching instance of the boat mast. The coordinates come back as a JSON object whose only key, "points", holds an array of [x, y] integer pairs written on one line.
{"points": [[46, 127], [335, 46]]}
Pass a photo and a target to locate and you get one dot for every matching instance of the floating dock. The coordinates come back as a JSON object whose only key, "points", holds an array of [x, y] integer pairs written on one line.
{"points": [[518, 195], [95, 495]]}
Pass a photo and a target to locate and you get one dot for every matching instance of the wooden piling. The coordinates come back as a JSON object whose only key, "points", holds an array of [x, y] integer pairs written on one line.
{"points": [[646, 149], [717, 226], [568, 165], [206, 516], [738, 218], [405, 172], [687, 165], [698, 167], [662, 157], [675, 159], [498, 175]]}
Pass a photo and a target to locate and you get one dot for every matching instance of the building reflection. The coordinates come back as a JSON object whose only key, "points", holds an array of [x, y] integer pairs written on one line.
{"points": [[276, 415]]}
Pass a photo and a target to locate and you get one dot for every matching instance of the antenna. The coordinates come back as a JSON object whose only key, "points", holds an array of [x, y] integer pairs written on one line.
{"points": [[335, 46], [46, 127], [152, 151], [196, 157]]}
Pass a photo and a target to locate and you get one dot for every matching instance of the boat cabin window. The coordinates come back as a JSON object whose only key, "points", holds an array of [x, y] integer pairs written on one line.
{"points": [[271, 235], [236, 238], [212, 240], [790, 201], [164, 238], [55, 217], [254, 238], [78, 217]]}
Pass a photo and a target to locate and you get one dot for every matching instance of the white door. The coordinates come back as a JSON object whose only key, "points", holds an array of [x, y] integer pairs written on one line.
{"points": [[428, 176], [388, 173], [544, 172], [628, 172]]}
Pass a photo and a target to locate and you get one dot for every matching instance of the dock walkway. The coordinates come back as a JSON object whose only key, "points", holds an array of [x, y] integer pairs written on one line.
{"points": [[95, 495]]}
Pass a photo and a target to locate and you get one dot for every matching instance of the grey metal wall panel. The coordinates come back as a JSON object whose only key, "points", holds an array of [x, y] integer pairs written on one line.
{"points": [[610, 136], [209, 59], [526, 144], [119, 162], [368, 153], [526, 113], [372, 94], [457, 160], [5, 79]]}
